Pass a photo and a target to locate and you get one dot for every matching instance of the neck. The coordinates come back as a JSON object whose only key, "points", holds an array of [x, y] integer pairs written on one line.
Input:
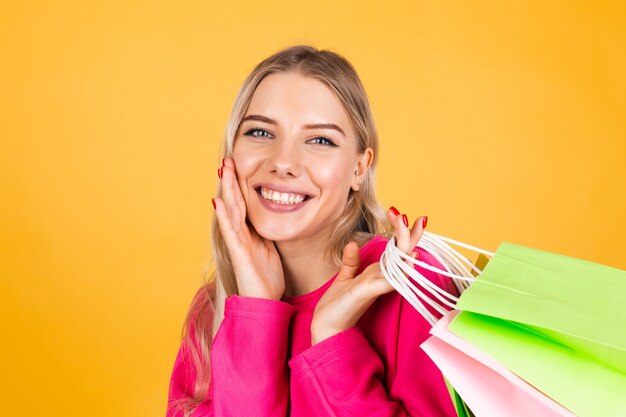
{"points": [[305, 266]]}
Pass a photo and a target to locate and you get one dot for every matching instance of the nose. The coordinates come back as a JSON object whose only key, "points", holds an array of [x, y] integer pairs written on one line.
{"points": [[285, 158]]}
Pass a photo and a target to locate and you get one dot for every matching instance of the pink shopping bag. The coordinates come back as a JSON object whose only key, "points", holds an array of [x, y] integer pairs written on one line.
{"points": [[487, 387]]}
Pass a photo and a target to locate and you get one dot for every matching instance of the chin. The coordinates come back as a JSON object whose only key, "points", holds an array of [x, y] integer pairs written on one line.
{"points": [[275, 231]]}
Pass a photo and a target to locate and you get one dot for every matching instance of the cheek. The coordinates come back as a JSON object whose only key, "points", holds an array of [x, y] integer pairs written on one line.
{"points": [[246, 162], [333, 177]]}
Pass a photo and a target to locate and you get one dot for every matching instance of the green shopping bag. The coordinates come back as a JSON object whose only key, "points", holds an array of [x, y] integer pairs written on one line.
{"points": [[555, 321], [459, 404], [461, 407]]}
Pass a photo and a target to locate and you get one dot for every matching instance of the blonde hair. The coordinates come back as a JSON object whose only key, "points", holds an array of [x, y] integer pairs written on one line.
{"points": [[362, 219]]}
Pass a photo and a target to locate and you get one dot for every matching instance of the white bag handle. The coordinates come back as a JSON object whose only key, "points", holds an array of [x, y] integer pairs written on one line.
{"points": [[395, 271]]}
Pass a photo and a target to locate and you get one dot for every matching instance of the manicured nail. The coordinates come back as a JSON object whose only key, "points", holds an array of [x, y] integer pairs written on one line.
{"points": [[424, 222], [219, 172], [213, 201], [405, 220], [394, 210], [222, 162]]}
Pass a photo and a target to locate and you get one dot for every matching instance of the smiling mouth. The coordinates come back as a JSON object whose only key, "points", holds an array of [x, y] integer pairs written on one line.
{"points": [[281, 198]]}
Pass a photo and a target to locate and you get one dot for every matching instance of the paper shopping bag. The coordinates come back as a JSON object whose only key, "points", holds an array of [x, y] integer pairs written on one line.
{"points": [[488, 388], [556, 322], [459, 405]]}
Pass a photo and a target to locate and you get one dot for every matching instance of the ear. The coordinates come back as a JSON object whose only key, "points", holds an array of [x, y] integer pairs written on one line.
{"points": [[363, 163]]}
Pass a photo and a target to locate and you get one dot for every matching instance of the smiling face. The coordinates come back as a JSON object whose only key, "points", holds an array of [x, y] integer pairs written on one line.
{"points": [[296, 155]]}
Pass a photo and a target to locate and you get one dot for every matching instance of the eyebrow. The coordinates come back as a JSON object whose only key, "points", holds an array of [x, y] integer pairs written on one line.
{"points": [[309, 126]]}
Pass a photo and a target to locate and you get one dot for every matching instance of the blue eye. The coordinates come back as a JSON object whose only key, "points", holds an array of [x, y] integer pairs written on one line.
{"points": [[321, 140], [252, 132], [261, 133]]}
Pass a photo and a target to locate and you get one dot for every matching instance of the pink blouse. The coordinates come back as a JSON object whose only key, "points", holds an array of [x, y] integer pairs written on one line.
{"points": [[263, 364]]}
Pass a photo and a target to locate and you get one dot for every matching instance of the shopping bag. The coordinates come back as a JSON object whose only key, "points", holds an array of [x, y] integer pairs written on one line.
{"points": [[431, 301], [572, 300], [488, 388], [555, 321], [459, 405]]}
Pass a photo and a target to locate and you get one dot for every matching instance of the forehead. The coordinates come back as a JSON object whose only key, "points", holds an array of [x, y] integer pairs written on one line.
{"points": [[294, 99]]}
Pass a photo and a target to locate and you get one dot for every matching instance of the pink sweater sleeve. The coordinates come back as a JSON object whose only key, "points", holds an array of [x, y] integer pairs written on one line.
{"points": [[344, 375], [248, 362]]}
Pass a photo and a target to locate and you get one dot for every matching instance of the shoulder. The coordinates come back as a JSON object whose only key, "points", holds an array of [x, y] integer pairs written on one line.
{"points": [[373, 249]]}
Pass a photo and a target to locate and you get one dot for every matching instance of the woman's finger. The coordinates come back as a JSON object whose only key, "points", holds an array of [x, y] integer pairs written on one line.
{"points": [[236, 189], [230, 189], [392, 213], [416, 234], [417, 231], [224, 222], [399, 222], [349, 262]]}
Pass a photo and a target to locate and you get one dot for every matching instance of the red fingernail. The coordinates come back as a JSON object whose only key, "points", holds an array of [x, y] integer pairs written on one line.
{"points": [[219, 172], [213, 201], [222, 162], [405, 220], [394, 210], [424, 222]]}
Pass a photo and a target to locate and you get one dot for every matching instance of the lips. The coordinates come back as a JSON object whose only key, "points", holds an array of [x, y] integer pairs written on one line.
{"points": [[281, 194], [280, 197], [281, 188]]}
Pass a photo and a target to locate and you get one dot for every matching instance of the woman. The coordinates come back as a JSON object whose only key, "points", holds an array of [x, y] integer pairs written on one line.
{"points": [[296, 206]]}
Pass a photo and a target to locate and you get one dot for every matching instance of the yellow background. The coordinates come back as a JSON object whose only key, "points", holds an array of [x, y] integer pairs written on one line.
{"points": [[498, 120]]}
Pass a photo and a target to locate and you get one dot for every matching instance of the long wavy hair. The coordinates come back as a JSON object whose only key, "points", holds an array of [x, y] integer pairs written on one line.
{"points": [[362, 219]]}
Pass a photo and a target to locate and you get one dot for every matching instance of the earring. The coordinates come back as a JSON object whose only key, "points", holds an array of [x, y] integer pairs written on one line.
{"points": [[358, 186]]}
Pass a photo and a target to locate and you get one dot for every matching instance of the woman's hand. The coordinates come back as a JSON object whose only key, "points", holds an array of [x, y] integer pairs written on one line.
{"points": [[345, 301], [256, 263]]}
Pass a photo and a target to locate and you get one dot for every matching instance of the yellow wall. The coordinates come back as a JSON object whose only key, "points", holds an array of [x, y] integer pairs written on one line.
{"points": [[500, 121]]}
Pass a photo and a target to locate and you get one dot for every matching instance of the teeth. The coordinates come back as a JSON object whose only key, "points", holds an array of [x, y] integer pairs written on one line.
{"points": [[281, 198]]}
